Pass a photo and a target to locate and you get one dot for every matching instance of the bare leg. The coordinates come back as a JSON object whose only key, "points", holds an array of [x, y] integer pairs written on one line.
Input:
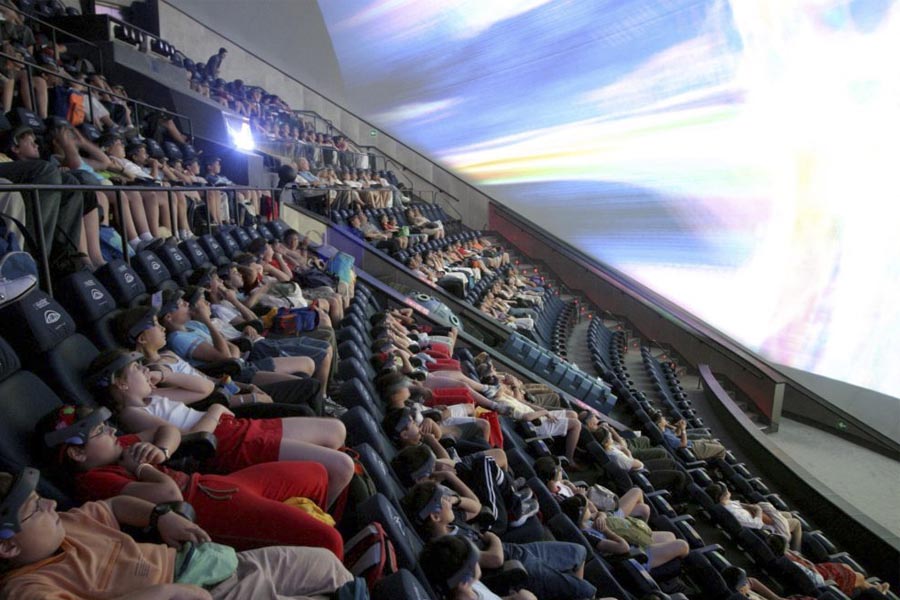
{"points": [[165, 214], [9, 87], [660, 554], [294, 364], [317, 439], [151, 209], [572, 435], [90, 238], [134, 205], [631, 503]]}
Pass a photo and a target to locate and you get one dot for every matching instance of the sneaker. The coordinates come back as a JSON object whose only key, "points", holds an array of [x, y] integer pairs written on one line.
{"points": [[519, 483], [332, 408], [525, 493], [529, 509]]}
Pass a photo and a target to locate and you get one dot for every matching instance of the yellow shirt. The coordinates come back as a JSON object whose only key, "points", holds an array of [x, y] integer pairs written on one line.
{"points": [[96, 560]]}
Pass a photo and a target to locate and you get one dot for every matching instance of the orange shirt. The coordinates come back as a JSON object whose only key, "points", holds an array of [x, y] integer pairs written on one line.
{"points": [[96, 560]]}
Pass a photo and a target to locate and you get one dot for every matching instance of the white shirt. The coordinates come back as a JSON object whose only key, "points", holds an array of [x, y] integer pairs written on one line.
{"points": [[743, 515], [176, 413]]}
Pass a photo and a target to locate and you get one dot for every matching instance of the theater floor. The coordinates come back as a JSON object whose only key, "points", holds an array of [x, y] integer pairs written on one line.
{"points": [[867, 480]]}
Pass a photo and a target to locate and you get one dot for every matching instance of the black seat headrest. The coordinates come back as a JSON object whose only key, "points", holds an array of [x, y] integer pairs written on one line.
{"points": [[9, 360], [84, 295], [36, 323], [151, 269], [121, 281]]}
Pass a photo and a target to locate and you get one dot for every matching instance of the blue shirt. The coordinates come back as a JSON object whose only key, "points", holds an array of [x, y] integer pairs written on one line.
{"points": [[672, 440], [185, 342]]}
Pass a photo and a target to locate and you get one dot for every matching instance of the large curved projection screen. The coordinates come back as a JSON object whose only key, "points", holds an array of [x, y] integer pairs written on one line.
{"points": [[740, 158]]}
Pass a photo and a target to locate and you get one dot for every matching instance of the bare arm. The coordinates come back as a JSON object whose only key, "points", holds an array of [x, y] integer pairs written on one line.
{"points": [[492, 556]]}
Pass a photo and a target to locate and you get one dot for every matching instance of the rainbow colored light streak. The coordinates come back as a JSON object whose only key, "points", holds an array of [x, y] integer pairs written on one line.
{"points": [[738, 157]]}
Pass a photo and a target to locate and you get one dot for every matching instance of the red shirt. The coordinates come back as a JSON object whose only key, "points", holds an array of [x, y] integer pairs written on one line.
{"points": [[105, 482]]}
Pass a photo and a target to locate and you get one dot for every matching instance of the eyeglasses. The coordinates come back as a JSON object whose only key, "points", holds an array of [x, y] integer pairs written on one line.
{"points": [[105, 428], [41, 505]]}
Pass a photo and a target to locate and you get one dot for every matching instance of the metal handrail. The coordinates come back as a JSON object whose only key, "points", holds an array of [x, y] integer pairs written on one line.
{"points": [[54, 29], [33, 191], [29, 68]]}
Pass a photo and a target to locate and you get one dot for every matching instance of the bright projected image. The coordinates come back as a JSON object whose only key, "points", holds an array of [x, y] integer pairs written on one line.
{"points": [[738, 157]]}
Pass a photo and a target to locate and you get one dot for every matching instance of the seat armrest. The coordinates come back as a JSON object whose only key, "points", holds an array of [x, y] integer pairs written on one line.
{"points": [[194, 451], [511, 576], [219, 368]]}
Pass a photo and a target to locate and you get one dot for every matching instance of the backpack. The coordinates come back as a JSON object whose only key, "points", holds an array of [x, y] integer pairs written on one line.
{"points": [[370, 554], [361, 486], [603, 498], [76, 112], [292, 321], [341, 266]]}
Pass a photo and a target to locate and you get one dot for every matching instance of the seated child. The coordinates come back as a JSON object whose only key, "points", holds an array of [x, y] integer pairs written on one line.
{"points": [[124, 386], [477, 477], [82, 553], [451, 566], [608, 534], [245, 509], [555, 569], [759, 516], [549, 471]]}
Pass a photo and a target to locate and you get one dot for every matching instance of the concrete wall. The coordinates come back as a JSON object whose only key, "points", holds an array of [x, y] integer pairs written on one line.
{"points": [[278, 44]]}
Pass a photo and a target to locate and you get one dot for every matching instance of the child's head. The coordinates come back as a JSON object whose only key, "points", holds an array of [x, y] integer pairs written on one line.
{"points": [[590, 420], [79, 437], [174, 311], [394, 389], [139, 329], [428, 506], [578, 509], [603, 437], [718, 492], [400, 425], [548, 471], [736, 579], [414, 464], [119, 379], [450, 563], [30, 528]]}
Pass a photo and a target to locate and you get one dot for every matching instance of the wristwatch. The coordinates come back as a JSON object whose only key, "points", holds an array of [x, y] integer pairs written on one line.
{"points": [[158, 511]]}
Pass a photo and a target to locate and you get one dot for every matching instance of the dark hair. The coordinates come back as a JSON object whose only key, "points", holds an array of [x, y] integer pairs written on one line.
{"points": [[391, 420], [127, 319], [573, 508], [56, 460], [257, 246], [602, 436], [408, 461], [441, 558], [415, 500], [101, 363], [716, 491]]}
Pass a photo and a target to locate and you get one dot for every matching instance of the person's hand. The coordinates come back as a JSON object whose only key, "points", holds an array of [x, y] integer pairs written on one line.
{"points": [[251, 334], [219, 410], [262, 397], [145, 452], [522, 595], [428, 438], [155, 377], [129, 461], [174, 530]]}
